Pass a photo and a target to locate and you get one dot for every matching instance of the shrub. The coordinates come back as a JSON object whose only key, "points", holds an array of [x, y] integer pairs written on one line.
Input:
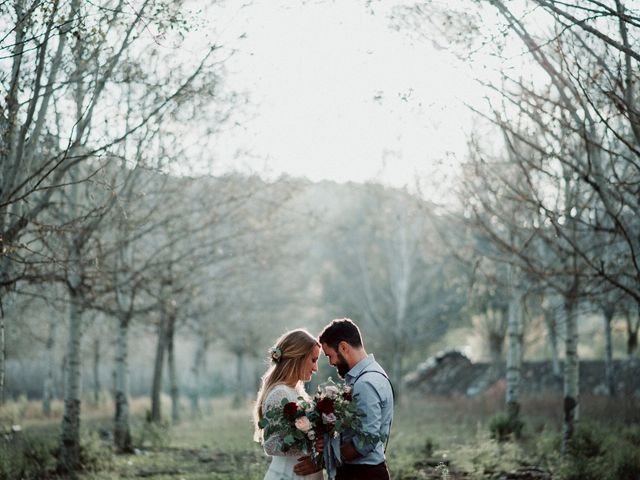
{"points": [[26, 457], [95, 455], [586, 442], [13, 413], [503, 426], [582, 461], [631, 434], [624, 464], [155, 434], [594, 454], [575, 470], [429, 447], [31, 456]]}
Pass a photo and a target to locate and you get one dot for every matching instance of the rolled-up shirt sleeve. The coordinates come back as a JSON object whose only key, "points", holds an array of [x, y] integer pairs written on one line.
{"points": [[370, 404]]}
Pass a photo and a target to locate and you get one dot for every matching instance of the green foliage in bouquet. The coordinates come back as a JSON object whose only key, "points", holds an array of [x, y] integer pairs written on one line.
{"points": [[289, 420], [336, 412]]}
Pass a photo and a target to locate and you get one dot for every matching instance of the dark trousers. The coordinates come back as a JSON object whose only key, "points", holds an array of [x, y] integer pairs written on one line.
{"points": [[363, 472]]}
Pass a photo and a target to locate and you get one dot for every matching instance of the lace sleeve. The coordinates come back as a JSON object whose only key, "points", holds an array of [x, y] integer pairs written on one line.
{"points": [[273, 444]]}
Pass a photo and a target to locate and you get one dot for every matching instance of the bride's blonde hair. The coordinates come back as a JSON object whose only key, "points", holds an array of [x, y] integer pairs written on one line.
{"points": [[287, 362]]}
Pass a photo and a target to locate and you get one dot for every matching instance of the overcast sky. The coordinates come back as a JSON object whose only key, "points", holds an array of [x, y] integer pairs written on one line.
{"points": [[337, 94]]}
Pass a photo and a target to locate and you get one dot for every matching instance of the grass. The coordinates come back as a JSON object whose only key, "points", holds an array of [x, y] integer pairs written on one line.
{"points": [[219, 445]]}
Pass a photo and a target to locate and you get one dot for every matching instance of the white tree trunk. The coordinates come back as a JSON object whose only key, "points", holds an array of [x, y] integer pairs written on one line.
{"points": [[47, 391], [3, 354], [239, 395], [5, 299], [514, 352], [96, 371], [632, 332], [196, 371], [401, 258], [497, 324], [69, 457], [552, 326], [571, 374], [122, 431], [173, 376], [608, 351], [156, 386], [552, 306], [397, 373]]}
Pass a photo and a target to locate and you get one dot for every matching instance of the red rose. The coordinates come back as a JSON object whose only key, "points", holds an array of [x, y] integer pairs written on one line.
{"points": [[325, 406], [290, 409], [348, 396]]}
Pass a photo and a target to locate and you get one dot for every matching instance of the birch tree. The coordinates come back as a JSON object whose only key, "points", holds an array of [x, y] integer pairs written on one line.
{"points": [[69, 57], [580, 126], [551, 306], [632, 322], [390, 273]]}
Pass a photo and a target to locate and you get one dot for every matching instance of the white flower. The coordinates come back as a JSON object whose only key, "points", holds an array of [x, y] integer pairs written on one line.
{"points": [[331, 391], [330, 418], [303, 424], [311, 435], [276, 354]]}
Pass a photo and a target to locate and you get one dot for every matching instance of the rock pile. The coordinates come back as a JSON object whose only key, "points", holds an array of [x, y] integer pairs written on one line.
{"points": [[452, 373]]}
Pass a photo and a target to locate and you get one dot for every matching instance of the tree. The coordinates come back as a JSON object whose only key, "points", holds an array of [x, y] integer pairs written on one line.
{"points": [[63, 58], [389, 273], [577, 132]]}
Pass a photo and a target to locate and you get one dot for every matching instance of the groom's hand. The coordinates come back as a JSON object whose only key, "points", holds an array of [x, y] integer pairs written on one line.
{"points": [[305, 466]]}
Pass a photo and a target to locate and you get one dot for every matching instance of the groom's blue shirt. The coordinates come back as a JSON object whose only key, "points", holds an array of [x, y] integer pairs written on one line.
{"points": [[374, 397]]}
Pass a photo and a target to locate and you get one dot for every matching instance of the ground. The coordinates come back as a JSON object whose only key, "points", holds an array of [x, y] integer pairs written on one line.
{"points": [[433, 438]]}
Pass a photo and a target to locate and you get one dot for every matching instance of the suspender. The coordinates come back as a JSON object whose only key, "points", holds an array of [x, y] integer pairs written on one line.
{"points": [[393, 393]]}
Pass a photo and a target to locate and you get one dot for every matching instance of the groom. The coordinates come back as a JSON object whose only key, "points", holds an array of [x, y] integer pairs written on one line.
{"points": [[342, 344]]}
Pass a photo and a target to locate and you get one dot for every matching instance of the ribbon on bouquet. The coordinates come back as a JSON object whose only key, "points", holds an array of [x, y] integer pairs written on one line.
{"points": [[331, 453]]}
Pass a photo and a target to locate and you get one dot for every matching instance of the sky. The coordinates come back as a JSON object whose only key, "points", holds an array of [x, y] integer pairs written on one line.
{"points": [[336, 93]]}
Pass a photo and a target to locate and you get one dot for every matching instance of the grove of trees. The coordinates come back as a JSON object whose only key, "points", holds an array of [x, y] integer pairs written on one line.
{"points": [[556, 199], [110, 244]]}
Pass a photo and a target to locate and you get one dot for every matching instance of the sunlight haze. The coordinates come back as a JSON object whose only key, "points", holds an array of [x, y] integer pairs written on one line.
{"points": [[335, 93]]}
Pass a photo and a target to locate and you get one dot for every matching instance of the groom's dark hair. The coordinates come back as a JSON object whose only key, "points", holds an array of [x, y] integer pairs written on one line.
{"points": [[341, 330]]}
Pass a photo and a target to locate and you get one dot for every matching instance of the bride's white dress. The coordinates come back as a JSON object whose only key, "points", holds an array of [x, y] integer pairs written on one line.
{"points": [[282, 463]]}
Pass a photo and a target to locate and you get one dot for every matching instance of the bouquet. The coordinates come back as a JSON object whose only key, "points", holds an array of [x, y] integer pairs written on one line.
{"points": [[330, 412], [334, 412], [291, 422]]}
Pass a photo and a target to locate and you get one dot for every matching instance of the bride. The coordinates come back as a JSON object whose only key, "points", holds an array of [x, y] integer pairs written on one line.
{"points": [[294, 359]]}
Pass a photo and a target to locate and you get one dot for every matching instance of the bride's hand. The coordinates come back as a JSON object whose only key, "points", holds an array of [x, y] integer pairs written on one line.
{"points": [[320, 443], [305, 466]]}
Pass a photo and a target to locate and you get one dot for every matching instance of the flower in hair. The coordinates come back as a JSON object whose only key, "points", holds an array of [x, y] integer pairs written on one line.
{"points": [[276, 354]]}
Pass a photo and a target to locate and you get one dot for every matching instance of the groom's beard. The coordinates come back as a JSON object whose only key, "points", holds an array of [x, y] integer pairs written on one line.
{"points": [[342, 366]]}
